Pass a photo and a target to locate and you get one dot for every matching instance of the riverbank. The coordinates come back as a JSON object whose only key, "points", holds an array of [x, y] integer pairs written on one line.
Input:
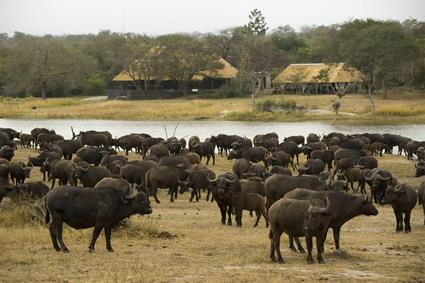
{"points": [[398, 108]]}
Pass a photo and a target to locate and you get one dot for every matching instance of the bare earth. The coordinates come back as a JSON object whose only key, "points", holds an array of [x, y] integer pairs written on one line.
{"points": [[185, 242]]}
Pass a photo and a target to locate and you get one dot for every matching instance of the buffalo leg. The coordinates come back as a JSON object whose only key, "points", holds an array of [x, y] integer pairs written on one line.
{"points": [[309, 242], [52, 230], [266, 217], [155, 197], [108, 238], [229, 215], [299, 246], [198, 194], [272, 254], [320, 248], [59, 225], [291, 244], [276, 246], [223, 214], [399, 222], [96, 232], [407, 227], [238, 216], [175, 191], [213, 158], [258, 213], [336, 232]]}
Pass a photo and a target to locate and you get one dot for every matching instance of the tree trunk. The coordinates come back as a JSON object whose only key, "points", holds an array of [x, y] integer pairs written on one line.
{"points": [[185, 86], [370, 98], [254, 94], [43, 89], [385, 89]]}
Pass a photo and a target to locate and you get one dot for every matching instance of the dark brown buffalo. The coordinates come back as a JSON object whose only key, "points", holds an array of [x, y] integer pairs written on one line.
{"points": [[19, 171], [344, 206], [298, 218], [82, 208], [224, 187], [91, 175], [402, 198]]}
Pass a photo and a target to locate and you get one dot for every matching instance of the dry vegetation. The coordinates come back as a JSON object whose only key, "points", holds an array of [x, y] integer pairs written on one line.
{"points": [[404, 107], [185, 242]]}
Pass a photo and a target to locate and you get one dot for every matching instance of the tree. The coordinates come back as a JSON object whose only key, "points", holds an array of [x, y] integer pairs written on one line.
{"points": [[42, 64], [182, 57], [380, 50], [319, 43], [285, 38], [111, 52], [143, 61], [257, 57], [257, 24], [221, 43]]}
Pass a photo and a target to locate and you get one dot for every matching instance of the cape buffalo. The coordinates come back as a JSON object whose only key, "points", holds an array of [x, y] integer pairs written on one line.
{"points": [[402, 199], [299, 218], [344, 206], [82, 208]]}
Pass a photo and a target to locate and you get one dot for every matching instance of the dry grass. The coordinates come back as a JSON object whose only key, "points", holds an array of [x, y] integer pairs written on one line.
{"points": [[400, 107], [184, 242]]}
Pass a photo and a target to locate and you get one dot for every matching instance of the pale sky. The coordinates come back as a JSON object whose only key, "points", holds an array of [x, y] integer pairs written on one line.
{"points": [[155, 17]]}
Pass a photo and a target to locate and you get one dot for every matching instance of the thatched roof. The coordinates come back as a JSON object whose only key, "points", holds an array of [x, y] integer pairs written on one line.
{"points": [[226, 72], [318, 73]]}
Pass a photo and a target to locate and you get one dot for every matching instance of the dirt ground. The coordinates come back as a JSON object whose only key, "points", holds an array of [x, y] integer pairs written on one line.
{"points": [[185, 242]]}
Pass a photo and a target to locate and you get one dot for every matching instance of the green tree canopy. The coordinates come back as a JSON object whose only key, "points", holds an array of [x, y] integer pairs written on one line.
{"points": [[183, 57], [257, 23], [380, 50]]}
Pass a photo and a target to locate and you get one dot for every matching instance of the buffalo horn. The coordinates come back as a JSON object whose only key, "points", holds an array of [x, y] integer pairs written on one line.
{"points": [[130, 197], [382, 178], [312, 208], [230, 180], [211, 180]]}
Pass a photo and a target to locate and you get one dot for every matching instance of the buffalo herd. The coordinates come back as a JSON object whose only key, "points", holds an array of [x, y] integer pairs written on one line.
{"points": [[339, 180]]}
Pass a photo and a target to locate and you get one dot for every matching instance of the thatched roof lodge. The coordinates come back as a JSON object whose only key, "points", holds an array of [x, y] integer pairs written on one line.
{"points": [[318, 78], [125, 83]]}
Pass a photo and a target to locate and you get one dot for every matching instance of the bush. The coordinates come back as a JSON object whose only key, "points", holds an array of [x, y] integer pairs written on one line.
{"points": [[225, 91], [271, 105]]}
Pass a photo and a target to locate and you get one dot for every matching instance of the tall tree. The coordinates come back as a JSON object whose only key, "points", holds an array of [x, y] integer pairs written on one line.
{"points": [[286, 38], [257, 23], [222, 43], [380, 50], [258, 56], [143, 61], [37, 62], [183, 57]]}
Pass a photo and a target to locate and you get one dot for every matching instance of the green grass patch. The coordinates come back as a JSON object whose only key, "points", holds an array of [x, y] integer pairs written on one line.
{"points": [[272, 105], [398, 112]]}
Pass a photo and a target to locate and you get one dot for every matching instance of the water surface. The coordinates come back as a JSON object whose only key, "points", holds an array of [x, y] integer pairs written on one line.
{"points": [[205, 129]]}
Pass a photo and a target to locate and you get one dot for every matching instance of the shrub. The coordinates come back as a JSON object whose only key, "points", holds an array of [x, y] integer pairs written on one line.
{"points": [[270, 105]]}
